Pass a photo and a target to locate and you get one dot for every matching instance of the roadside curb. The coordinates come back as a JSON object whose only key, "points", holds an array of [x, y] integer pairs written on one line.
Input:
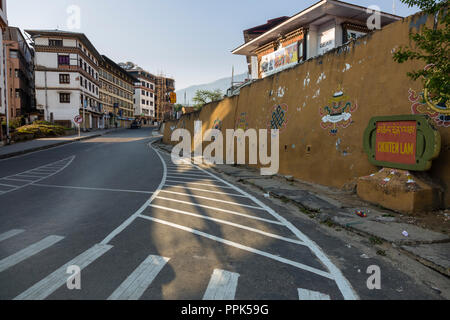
{"points": [[330, 212], [58, 144]]}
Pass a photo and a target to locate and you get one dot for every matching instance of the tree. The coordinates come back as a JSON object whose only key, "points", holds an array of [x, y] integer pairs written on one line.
{"points": [[432, 47], [178, 107], [203, 97]]}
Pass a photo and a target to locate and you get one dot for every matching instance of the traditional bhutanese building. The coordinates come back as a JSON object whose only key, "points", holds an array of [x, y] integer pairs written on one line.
{"points": [[66, 77], [116, 94], [284, 42]]}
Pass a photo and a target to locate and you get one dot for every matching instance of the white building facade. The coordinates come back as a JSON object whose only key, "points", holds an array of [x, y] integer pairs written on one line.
{"points": [[67, 78], [144, 94]]}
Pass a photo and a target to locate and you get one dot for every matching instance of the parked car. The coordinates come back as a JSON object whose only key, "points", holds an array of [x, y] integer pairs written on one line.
{"points": [[136, 125]]}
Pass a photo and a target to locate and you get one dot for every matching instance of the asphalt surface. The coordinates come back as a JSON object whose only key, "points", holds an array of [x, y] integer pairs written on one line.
{"points": [[141, 227]]}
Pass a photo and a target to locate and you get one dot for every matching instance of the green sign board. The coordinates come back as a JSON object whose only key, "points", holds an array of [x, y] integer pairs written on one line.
{"points": [[408, 142]]}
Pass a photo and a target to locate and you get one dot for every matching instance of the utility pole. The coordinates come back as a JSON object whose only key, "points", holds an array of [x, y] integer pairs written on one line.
{"points": [[393, 6]]}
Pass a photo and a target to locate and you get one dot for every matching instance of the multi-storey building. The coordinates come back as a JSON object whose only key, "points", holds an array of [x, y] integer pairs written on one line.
{"points": [[144, 94], [3, 86], [116, 94], [19, 72], [66, 77], [164, 107]]}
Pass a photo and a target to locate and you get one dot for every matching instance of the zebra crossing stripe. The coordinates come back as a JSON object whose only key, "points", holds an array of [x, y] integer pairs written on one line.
{"points": [[222, 285], [28, 252], [308, 295], [10, 234], [54, 281], [141, 278]]}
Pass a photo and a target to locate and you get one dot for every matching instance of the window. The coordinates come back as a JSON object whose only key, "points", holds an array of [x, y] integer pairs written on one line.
{"points": [[55, 43], [64, 97], [64, 78], [143, 101], [81, 80], [14, 54], [63, 60], [17, 93], [17, 73]]}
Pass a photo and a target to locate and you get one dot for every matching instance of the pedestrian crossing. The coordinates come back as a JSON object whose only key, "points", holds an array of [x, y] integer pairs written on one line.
{"points": [[23, 179], [223, 284]]}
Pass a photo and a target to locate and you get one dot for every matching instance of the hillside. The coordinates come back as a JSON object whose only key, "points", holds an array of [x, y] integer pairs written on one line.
{"points": [[223, 84]]}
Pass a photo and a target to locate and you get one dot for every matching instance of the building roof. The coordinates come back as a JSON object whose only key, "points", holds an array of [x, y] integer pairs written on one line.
{"points": [[254, 32], [313, 14], [118, 68], [55, 33]]}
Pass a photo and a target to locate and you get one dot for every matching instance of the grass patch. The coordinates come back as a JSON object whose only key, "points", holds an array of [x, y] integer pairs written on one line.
{"points": [[381, 253]]}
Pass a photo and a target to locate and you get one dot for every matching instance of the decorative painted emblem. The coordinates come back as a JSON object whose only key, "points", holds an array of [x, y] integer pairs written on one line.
{"points": [[217, 124], [420, 106], [338, 113], [278, 118], [242, 122]]}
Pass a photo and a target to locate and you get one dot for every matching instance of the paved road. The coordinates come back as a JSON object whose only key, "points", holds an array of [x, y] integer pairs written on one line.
{"points": [[141, 227]]}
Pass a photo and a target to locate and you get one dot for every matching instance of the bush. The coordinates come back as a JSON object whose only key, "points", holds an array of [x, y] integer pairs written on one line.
{"points": [[42, 130]]}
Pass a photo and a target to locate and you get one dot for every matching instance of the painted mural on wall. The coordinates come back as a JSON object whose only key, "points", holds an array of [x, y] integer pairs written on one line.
{"points": [[278, 118], [242, 121], [217, 124], [420, 106], [338, 113]]}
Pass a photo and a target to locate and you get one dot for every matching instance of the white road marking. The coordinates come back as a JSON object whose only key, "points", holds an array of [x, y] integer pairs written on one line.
{"points": [[90, 189], [16, 180], [240, 226], [343, 284], [187, 174], [37, 173], [133, 217], [14, 177], [10, 234], [242, 247], [200, 184], [141, 278], [212, 199], [7, 185], [28, 252], [222, 286], [191, 179], [222, 210], [26, 176], [54, 281], [204, 190], [307, 295]]}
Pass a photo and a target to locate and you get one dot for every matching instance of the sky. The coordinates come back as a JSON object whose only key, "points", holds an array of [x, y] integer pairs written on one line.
{"points": [[190, 40]]}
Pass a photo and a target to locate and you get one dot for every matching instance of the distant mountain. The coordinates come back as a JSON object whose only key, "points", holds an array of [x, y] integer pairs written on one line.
{"points": [[222, 84]]}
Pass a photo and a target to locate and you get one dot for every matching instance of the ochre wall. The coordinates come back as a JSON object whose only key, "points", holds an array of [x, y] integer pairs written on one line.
{"points": [[372, 83]]}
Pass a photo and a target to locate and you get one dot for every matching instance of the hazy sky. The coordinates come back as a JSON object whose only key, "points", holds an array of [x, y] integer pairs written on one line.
{"points": [[189, 40]]}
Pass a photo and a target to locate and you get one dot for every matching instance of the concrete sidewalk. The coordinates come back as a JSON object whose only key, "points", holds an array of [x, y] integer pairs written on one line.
{"points": [[337, 208], [20, 148]]}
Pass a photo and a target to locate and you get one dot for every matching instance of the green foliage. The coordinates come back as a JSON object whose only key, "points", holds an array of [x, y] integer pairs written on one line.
{"points": [[42, 130], [432, 47], [203, 97], [178, 107], [13, 124]]}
